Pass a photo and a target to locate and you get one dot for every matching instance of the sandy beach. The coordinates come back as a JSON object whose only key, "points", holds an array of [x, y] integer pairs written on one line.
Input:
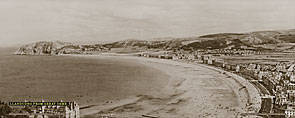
{"points": [[193, 91]]}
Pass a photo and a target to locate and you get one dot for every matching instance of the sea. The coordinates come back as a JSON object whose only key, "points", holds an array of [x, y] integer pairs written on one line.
{"points": [[72, 78]]}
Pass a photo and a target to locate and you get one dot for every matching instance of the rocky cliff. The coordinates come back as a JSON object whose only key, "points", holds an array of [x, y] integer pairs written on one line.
{"points": [[42, 48], [58, 47]]}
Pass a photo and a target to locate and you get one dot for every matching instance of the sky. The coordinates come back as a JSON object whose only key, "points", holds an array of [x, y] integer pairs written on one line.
{"points": [[96, 21]]}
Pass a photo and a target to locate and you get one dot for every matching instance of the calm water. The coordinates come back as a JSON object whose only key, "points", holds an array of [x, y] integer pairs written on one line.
{"points": [[74, 78]]}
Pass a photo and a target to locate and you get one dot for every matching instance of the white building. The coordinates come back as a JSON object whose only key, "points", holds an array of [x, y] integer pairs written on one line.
{"points": [[290, 111], [72, 111], [281, 99], [69, 111]]}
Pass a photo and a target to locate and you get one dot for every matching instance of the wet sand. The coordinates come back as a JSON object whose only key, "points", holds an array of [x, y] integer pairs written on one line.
{"points": [[193, 91]]}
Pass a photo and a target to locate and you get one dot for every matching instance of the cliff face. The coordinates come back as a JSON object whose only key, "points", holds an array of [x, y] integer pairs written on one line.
{"points": [[42, 48], [58, 47]]}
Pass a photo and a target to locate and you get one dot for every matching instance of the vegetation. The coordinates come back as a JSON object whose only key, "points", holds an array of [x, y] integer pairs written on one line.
{"points": [[4, 109]]}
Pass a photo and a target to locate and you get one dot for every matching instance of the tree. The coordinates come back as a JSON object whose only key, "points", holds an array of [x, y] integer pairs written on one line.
{"points": [[4, 109]]}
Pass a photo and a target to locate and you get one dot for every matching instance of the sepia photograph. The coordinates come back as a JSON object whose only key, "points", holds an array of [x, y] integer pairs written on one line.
{"points": [[147, 59]]}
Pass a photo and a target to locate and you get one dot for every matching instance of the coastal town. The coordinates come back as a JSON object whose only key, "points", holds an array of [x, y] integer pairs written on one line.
{"points": [[275, 81], [264, 58], [147, 59]]}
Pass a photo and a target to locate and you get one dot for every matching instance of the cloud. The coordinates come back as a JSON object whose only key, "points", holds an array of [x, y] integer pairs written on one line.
{"points": [[110, 20]]}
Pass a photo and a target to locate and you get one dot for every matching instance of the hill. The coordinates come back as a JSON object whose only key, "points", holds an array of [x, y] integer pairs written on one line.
{"points": [[283, 40], [42, 48], [57, 47], [253, 40]]}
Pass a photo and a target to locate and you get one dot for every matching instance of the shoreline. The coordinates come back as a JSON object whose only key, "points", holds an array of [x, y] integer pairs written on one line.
{"points": [[180, 93], [253, 96]]}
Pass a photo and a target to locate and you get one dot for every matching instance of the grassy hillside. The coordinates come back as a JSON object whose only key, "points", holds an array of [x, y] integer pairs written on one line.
{"points": [[259, 40]]}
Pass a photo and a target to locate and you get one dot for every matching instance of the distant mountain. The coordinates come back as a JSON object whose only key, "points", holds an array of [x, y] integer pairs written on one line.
{"points": [[253, 40], [261, 40], [153, 44]]}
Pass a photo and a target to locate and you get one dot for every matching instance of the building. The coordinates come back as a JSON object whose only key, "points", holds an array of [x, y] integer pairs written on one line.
{"points": [[210, 61], [219, 63], [207, 59], [238, 68], [175, 57], [70, 110], [261, 74], [281, 99], [290, 111]]}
